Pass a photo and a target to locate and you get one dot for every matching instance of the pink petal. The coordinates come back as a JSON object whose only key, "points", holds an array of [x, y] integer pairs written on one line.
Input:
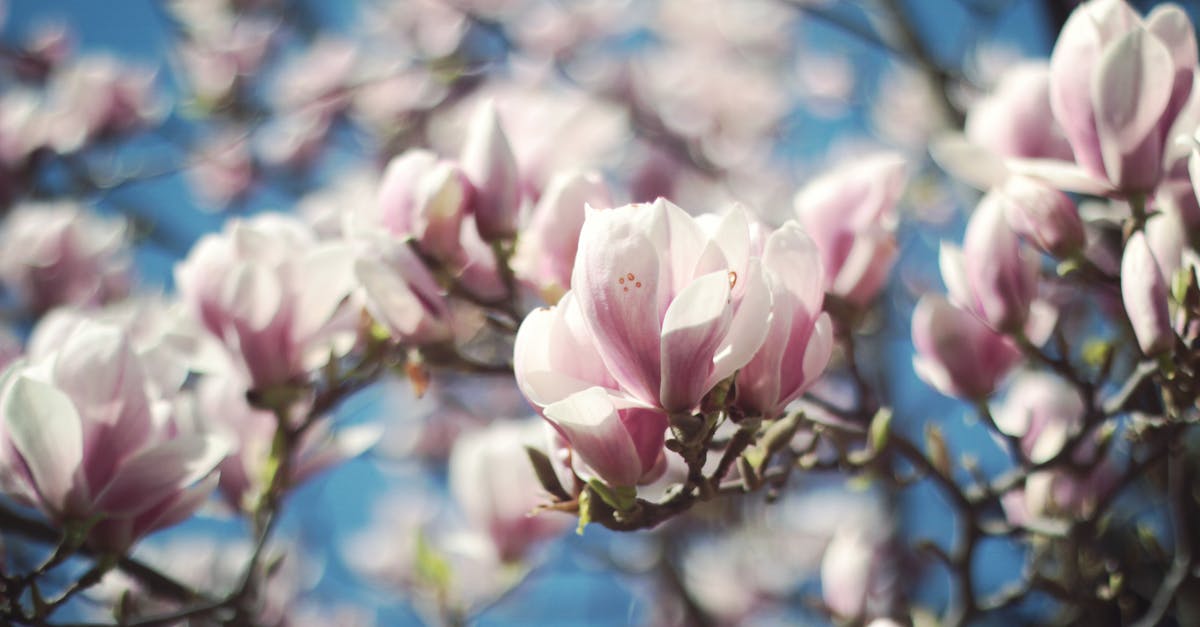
{"points": [[695, 324], [595, 432], [1132, 88], [619, 285], [749, 326], [158, 471]]}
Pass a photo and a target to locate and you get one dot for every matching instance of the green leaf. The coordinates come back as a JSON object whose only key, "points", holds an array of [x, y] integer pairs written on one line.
{"points": [[621, 498], [431, 567], [544, 469], [1096, 352], [880, 427]]}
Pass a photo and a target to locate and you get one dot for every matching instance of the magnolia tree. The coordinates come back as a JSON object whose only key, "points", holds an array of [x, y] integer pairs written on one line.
{"points": [[588, 272]]}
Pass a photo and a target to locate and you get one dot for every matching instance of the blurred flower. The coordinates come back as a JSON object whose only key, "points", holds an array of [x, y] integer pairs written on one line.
{"points": [[55, 254], [495, 484], [425, 198], [222, 170], [545, 254], [1043, 411], [550, 130], [1144, 292], [1117, 83], [1060, 493], [993, 276], [220, 55], [858, 573], [1044, 215], [270, 292], [957, 353], [85, 439], [401, 294], [1014, 121], [491, 167], [95, 97], [850, 212], [317, 79]]}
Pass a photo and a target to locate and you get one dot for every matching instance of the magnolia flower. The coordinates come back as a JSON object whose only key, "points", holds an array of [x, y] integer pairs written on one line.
{"points": [[956, 353], [85, 439], [223, 53], [54, 254], [672, 311], [1144, 293], [98, 96], [851, 214], [316, 79], [545, 255], [269, 291], [425, 198], [800, 337], [1013, 121], [401, 294], [495, 485], [1117, 83], [1043, 411], [555, 357], [560, 371], [222, 170], [993, 276], [1059, 493], [858, 576]]}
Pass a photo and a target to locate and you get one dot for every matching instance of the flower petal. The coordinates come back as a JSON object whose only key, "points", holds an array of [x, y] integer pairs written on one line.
{"points": [[593, 427], [44, 428], [154, 473], [695, 324]]}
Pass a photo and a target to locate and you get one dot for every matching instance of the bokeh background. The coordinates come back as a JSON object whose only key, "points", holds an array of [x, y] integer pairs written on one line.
{"points": [[706, 101]]}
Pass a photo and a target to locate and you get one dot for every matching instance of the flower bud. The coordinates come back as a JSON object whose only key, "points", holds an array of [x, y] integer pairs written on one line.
{"points": [[1144, 292], [489, 163], [426, 199], [993, 276], [1044, 215], [956, 353]]}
